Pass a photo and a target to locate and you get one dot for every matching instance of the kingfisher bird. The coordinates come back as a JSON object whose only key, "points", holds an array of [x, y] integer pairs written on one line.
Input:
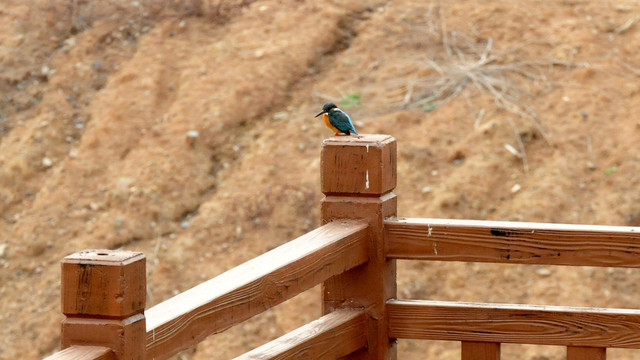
{"points": [[336, 119]]}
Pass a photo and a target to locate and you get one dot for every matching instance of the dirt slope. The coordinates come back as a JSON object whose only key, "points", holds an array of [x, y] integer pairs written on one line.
{"points": [[97, 102]]}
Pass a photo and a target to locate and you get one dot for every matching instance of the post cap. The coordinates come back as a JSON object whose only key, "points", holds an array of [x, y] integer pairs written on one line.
{"points": [[359, 164], [104, 283]]}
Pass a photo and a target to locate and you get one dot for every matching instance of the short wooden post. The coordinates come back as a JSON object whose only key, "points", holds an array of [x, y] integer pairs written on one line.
{"points": [[358, 178], [480, 351], [586, 353], [103, 298]]}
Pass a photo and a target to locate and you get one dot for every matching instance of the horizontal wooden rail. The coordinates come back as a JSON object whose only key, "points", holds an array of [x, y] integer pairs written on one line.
{"points": [[331, 337], [254, 286], [509, 323], [78, 352], [513, 242]]}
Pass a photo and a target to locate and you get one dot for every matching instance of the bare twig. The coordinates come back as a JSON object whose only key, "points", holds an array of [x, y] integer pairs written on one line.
{"points": [[522, 151], [490, 71]]}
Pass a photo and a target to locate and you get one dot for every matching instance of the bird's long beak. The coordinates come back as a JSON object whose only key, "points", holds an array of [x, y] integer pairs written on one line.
{"points": [[320, 113]]}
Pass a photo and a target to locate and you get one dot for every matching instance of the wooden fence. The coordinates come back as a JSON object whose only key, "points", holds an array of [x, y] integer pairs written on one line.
{"points": [[353, 255]]}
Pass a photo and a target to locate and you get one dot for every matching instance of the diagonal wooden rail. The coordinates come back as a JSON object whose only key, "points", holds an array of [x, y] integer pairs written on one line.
{"points": [[254, 286], [333, 336]]}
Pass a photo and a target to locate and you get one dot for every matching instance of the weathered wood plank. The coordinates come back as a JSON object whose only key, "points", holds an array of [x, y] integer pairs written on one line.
{"points": [[480, 350], [330, 337], [513, 242], [78, 352], [254, 286], [586, 353], [509, 323]]}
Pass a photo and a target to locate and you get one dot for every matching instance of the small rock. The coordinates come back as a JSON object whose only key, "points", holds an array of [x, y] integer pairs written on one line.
{"points": [[426, 189], [192, 136], [184, 224], [3, 249], [281, 115], [591, 165], [515, 188], [543, 272], [46, 162]]}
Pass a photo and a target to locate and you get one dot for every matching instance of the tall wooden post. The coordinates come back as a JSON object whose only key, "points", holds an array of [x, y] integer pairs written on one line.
{"points": [[480, 351], [586, 353], [358, 178], [103, 298]]}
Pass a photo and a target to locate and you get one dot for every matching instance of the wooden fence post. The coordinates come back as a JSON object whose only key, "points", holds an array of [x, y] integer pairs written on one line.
{"points": [[586, 353], [103, 298], [358, 178]]}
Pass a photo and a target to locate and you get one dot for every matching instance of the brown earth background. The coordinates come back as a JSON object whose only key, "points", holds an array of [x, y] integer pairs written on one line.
{"points": [[505, 110]]}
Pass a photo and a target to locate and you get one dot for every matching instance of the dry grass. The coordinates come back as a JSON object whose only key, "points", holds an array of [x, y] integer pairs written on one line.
{"points": [[468, 63], [507, 76]]}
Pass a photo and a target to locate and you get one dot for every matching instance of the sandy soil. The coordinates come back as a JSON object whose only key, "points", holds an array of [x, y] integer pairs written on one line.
{"points": [[520, 110]]}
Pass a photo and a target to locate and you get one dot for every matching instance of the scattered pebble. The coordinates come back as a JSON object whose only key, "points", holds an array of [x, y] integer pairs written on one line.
{"points": [[281, 115], [3, 249], [591, 165], [515, 188], [184, 224], [46, 162], [543, 272], [192, 135], [426, 189]]}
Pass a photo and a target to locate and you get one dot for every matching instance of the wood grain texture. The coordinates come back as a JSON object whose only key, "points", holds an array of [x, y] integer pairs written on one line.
{"points": [[103, 297], [330, 337], [254, 286], [586, 353], [509, 323], [361, 164], [513, 242], [83, 353], [104, 283], [480, 351], [126, 337]]}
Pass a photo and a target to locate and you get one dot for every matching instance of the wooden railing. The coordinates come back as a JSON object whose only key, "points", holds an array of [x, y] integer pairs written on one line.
{"points": [[353, 255]]}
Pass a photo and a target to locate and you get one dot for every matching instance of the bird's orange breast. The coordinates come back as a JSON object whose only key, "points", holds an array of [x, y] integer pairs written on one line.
{"points": [[325, 117]]}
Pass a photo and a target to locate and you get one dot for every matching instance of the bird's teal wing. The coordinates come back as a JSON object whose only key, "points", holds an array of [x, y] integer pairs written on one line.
{"points": [[342, 121]]}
